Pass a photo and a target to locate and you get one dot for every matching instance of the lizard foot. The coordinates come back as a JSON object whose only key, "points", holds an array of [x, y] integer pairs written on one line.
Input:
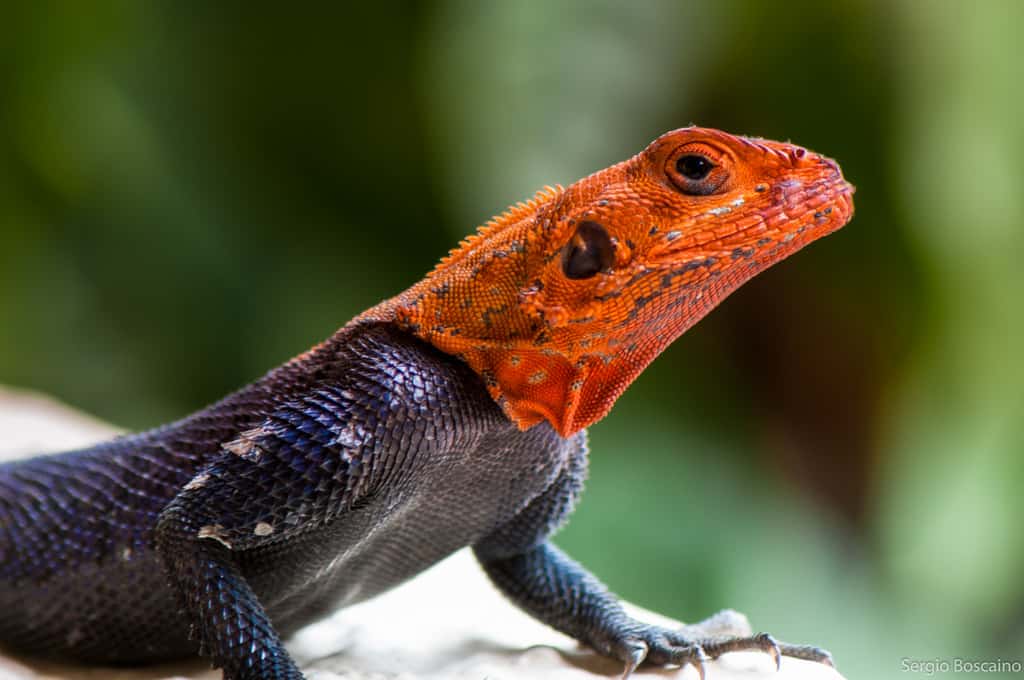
{"points": [[661, 646]]}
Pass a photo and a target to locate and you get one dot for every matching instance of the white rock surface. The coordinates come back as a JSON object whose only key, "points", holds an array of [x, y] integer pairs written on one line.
{"points": [[447, 624]]}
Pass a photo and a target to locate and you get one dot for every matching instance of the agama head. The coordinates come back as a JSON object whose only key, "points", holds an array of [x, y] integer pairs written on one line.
{"points": [[562, 301]]}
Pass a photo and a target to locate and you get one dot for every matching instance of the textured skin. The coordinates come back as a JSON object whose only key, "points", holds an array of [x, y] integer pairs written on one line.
{"points": [[451, 415]]}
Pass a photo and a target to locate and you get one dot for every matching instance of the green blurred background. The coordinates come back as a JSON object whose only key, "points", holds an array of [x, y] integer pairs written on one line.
{"points": [[193, 192]]}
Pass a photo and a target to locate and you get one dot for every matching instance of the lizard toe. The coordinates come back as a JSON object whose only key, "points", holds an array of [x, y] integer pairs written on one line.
{"points": [[807, 652], [761, 642]]}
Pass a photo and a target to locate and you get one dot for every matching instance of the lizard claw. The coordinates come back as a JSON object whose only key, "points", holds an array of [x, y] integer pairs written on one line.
{"points": [[773, 649], [636, 657], [691, 654], [699, 660]]}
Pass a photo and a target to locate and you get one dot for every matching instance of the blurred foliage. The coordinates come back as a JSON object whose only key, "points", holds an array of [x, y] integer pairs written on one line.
{"points": [[190, 193]]}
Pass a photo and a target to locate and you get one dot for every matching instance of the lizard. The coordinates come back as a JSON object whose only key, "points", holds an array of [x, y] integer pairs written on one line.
{"points": [[453, 414]]}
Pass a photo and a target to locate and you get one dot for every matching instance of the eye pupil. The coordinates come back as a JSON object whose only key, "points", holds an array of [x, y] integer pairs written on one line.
{"points": [[589, 251], [694, 166]]}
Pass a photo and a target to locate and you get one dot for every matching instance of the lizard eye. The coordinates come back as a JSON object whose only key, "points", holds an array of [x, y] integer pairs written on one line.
{"points": [[695, 170], [693, 166], [589, 251]]}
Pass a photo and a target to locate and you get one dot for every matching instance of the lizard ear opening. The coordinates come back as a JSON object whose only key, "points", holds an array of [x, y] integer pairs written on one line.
{"points": [[589, 251]]}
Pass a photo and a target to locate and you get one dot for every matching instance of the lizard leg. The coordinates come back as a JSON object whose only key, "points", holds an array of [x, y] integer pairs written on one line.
{"points": [[234, 530], [555, 589], [558, 591], [228, 620]]}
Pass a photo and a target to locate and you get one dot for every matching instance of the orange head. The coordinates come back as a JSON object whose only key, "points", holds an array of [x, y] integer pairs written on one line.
{"points": [[562, 301]]}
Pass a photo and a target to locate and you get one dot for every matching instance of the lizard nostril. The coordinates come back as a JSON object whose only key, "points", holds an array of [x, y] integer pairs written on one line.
{"points": [[798, 156]]}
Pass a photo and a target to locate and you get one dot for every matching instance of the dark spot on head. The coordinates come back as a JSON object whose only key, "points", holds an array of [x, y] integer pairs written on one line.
{"points": [[608, 296], [640, 275], [761, 188], [643, 300], [639, 303], [490, 312], [676, 303]]}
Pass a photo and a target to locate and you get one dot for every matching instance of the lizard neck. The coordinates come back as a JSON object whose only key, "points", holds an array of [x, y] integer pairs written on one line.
{"points": [[478, 306]]}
